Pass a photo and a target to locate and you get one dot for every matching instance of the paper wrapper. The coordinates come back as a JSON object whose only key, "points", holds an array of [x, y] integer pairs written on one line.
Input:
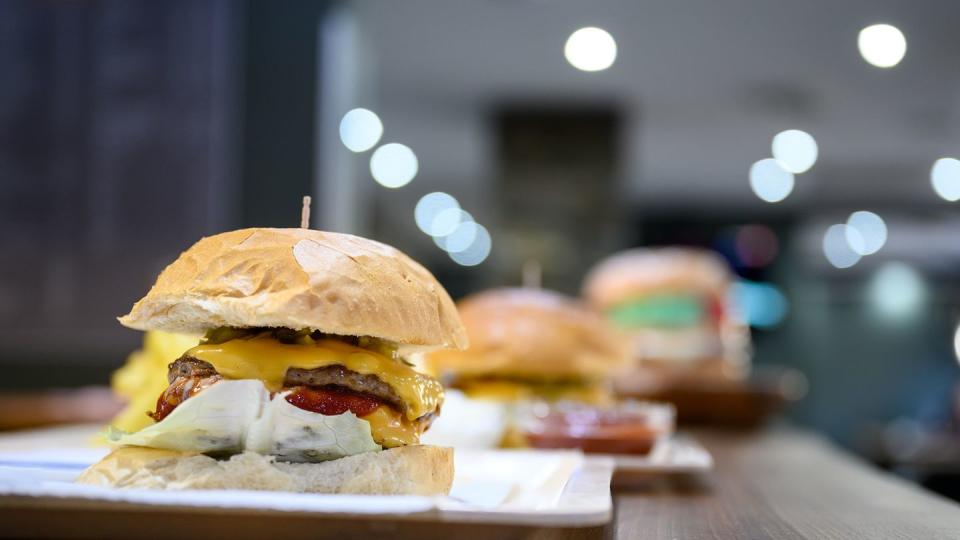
{"points": [[527, 487]]}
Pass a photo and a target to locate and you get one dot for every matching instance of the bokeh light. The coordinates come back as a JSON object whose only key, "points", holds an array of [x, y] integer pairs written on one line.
{"points": [[882, 45], [945, 178], [795, 150], [761, 305], [837, 246], [866, 232], [897, 290], [477, 251], [770, 181], [447, 221], [461, 238], [429, 206], [448, 225], [393, 165], [755, 245], [590, 49], [956, 343], [360, 130]]}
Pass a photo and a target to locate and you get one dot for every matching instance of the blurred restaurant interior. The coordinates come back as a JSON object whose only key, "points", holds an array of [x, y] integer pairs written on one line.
{"points": [[497, 147]]}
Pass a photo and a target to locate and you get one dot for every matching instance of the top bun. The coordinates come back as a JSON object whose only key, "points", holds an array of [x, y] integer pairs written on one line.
{"points": [[531, 333], [300, 278], [638, 272]]}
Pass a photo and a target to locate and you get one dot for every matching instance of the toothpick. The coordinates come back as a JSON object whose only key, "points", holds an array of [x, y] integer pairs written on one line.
{"points": [[305, 213], [532, 274]]}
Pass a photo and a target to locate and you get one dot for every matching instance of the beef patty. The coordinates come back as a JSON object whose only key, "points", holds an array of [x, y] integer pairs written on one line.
{"points": [[335, 375], [189, 367]]}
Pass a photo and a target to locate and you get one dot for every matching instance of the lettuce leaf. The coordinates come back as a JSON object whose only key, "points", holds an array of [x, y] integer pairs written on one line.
{"points": [[293, 434], [237, 416]]}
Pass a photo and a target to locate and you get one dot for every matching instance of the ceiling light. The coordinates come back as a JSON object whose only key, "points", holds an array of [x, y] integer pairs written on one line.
{"points": [[429, 206], [590, 49], [393, 165], [945, 178], [360, 130], [770, 181], [866, 232], [477, 251], [837, 246], [882, 45], [795, 150]]}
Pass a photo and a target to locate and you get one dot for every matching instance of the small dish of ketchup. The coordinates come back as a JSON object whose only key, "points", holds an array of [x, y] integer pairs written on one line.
{"points": [[629, 427]]}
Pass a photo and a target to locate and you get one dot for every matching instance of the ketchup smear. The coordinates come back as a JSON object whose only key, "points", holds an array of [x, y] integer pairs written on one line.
{"points": [[331, 401], [180, 390], [165, 406]]}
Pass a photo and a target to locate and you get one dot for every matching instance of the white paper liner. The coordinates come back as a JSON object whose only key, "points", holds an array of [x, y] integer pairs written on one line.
{"points": [[510, 486]]}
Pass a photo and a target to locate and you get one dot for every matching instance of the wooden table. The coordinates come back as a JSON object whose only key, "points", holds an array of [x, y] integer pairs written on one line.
{"points": [[783, 484]]}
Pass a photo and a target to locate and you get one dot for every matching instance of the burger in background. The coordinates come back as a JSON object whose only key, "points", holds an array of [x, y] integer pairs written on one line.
{"points": [[532, 344], [543, 364], [672, 303], [689, 348]]}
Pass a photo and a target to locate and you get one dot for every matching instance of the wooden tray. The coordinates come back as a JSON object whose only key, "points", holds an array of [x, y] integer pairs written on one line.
{"points": [[744, 404], [503, 492]]}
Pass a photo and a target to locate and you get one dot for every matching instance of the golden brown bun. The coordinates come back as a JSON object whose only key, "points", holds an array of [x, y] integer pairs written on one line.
{"points": [[531, 333], [407, 470], [300, 278], [642, 271]]}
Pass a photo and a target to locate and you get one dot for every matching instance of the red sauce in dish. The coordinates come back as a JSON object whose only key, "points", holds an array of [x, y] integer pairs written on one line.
{"points": [[332, 401], [596, 431], [624, 439]]}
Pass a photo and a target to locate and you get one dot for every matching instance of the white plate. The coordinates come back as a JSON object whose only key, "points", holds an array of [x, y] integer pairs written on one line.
{"points": [[680, 454]]}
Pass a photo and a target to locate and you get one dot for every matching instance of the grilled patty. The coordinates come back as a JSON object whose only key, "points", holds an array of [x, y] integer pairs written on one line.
{"points": [[341, 376], [189, 367], [336, 375]]}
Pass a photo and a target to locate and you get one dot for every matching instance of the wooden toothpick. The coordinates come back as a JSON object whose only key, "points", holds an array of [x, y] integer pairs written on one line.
{"points": [[532, 274], [305, 213]]}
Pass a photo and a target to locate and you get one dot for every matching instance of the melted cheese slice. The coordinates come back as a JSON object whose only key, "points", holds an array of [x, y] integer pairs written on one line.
{"points": [[496, 390], [506, 390], [268, 360], [390, 429]]}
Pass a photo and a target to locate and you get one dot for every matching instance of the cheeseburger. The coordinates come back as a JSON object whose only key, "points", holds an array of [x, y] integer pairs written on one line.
{"points": [[549, 362], [531, 344], [672, 302], [301, 380]]}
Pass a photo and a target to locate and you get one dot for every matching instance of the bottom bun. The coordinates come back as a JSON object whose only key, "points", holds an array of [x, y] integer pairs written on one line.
{"points": [[408, 470]]}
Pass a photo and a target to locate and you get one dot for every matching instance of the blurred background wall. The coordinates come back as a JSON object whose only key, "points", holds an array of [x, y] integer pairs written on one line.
{"points": [[128, 129], [118, 132]]}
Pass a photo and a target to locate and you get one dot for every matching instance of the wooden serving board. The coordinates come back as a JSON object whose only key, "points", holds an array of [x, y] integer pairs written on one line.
{"points": [[507, 493]]}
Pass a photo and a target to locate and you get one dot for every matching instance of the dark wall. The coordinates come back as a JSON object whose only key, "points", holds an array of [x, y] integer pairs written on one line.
{"points": [[556, 187], [128, 130], [281, 93]]}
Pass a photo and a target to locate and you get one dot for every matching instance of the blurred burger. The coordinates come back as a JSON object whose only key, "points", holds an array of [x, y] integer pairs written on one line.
{"points": [[532, 344], [672, 302], [300, 381], [549, 362]]}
